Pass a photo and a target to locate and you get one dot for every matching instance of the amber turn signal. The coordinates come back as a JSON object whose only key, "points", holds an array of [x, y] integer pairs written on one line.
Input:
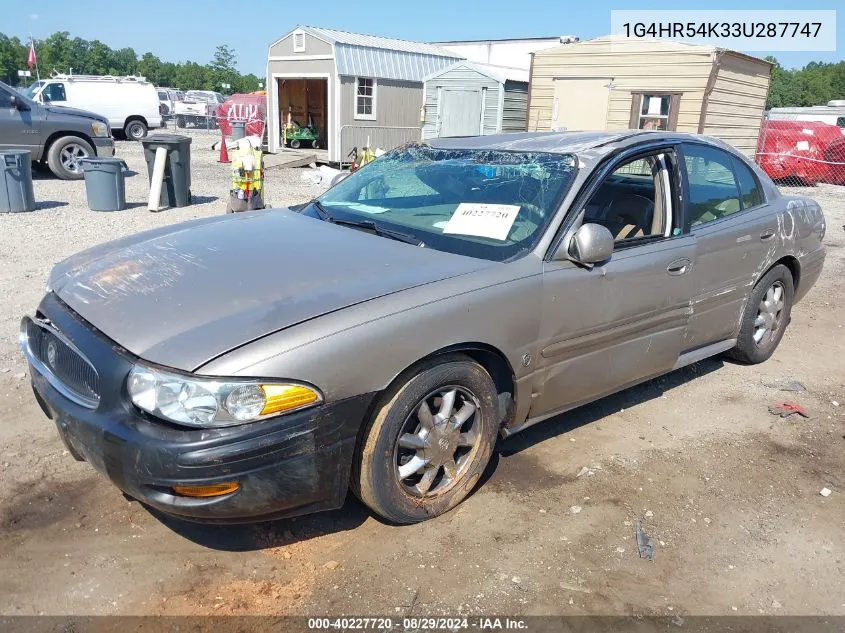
{"points": [[278, 398], [207, 490]]}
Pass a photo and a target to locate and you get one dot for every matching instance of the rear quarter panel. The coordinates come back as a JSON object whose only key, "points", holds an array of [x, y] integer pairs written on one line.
{"points": [[801, 227]]}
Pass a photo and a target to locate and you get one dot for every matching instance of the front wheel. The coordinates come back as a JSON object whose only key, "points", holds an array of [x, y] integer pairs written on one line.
{"points": [[65, 157], [765, 317], [135, 130], [180, 121], [429, 442], [295, 144]]}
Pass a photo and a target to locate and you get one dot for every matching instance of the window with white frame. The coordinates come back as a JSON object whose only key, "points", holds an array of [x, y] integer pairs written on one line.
{"points": [[365, 98], [299, 41]]}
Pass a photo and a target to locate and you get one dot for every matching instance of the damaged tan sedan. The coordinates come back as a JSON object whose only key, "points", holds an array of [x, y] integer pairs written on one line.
{"points": [[381, 336]]}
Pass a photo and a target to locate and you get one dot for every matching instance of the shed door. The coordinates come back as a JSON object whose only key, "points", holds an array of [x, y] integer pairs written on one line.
{"points": [[580, 104], [460, 113]]}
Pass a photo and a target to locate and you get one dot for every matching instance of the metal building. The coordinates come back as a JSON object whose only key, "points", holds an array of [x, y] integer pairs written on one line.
{"points": [[468, 99], [352, 87]]}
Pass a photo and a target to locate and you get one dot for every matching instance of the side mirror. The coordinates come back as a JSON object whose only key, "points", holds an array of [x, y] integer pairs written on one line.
{"points": [[591, 244], [338, 178], [19, 104]]}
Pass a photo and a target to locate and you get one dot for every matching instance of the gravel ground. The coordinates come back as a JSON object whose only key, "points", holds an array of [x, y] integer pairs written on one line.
{"points": [[31, 243], [729, 494]]}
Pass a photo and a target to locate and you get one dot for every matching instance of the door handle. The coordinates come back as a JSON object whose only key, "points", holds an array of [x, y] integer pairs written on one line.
{"points": [[678, 267], [767, 234]]}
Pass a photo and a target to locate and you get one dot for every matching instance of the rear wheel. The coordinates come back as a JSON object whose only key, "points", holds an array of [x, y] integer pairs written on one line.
{"points": [[180, 120], [315, 144], [294, 144], [135, 130], [429, 442], [65, 155], [765, 318]]}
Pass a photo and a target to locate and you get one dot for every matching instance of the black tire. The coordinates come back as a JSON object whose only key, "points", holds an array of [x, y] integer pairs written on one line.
{"points": [[315, 144], [180, 121], [748, 349], [376, 479], [135, 130], [64, 155], [294, 144]]}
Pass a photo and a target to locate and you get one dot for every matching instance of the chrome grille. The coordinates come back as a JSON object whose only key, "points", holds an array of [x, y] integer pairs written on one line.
{"points": [[52, 355]]}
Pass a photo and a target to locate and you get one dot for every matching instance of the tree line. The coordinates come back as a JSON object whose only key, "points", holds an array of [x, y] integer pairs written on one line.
{"points": [[60, 53], [815, 84]]}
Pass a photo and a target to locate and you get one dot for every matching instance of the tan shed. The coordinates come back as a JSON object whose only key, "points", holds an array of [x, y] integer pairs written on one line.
{"points": [[613, 83]]}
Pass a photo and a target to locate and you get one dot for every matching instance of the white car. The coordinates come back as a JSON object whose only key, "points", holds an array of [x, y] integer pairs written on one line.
{"points": [[199, 108], [129, 103]]}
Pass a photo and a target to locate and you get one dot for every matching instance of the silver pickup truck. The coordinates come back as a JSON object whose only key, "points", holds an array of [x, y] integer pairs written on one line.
{"points": [[59, 136]]}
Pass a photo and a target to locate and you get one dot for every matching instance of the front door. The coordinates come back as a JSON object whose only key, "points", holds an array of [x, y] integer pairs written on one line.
{"points": [[19, 129], [459, 112], [580, 104], [624, 320]]}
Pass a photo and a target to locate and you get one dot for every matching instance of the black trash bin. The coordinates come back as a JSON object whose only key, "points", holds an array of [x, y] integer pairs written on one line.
{"points": [[16, 192], [105, 185], [176, 188]]}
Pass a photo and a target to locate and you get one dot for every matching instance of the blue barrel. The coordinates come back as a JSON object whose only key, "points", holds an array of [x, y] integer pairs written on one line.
{"points": [[16, 192], [105, 184]]}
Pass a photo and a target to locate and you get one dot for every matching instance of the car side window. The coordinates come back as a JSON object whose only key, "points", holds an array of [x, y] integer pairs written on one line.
{"points": [[713, 190], [5, 99], [750, 192], [54, 92], [633, 201]]}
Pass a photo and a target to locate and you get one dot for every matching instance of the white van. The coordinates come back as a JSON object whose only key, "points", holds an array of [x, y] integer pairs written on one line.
{"points": [[832, 114], [129, 103]]}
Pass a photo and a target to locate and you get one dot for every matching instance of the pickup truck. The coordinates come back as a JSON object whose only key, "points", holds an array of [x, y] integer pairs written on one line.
{"points": [[57, 135], [199, 108]]}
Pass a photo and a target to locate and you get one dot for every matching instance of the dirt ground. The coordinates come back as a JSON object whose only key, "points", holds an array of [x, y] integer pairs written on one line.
{"points": [[729, 494]]}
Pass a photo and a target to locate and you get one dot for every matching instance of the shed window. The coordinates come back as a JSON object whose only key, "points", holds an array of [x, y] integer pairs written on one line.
{"points": [[650, 111], [299, 42], [365, 98]]}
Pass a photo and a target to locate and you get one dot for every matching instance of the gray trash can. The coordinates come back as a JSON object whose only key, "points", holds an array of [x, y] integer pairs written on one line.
{"points": [[238, 130], [16, 192], [176, 188], [104, 183]]}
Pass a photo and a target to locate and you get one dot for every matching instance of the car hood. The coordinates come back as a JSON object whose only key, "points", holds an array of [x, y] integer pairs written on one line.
{"points": [[182, 295], [66, 111]]}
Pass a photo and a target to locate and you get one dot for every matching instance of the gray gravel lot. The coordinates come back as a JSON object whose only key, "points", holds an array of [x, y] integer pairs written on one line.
{"points": [[31, 243]]}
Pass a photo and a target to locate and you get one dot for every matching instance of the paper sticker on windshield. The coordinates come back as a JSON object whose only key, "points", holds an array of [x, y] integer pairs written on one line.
{"points": [[482, 220]]}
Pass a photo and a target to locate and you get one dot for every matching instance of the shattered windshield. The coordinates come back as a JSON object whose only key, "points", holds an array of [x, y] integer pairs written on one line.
{"points": [[489, 204]]}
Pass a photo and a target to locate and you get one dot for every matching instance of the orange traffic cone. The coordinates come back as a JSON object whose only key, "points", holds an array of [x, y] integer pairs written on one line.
{"points": [[224, 153]]}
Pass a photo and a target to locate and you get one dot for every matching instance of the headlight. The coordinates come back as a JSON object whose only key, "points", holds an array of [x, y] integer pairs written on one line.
{"points": [[98, 128], [212, 402]]}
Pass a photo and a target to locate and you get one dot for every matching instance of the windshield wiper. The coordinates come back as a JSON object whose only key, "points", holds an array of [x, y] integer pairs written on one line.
{"points": [[369, 225]]}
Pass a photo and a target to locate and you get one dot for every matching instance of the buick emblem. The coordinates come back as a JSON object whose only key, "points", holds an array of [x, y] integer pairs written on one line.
{"points": [[52, 352]]}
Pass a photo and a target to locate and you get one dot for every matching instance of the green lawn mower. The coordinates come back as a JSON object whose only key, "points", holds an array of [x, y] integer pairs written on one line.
{"points": [[295, 135]]}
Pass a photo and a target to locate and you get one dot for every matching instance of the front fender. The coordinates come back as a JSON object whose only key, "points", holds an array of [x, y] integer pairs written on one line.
{"points": [[362, 349]]}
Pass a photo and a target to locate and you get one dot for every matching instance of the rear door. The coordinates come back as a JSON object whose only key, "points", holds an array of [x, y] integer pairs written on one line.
{"points": [[580, 103], [623, 321], [734, 228], [459, 112]]}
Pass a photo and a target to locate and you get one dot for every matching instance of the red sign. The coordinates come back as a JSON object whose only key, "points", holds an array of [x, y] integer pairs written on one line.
{"points": [[250, 108]]}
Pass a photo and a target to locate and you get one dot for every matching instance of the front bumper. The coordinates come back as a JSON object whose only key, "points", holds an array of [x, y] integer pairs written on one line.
{"points": [[289, 465], [104, 146]]}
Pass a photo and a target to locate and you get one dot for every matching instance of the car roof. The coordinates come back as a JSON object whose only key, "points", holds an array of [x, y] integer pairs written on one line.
{"points": [[569, 142]]}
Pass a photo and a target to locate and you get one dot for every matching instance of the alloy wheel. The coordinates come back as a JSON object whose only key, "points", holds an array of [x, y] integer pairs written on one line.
{"points": [[769, 314], [70, 157], [434, 450]]}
